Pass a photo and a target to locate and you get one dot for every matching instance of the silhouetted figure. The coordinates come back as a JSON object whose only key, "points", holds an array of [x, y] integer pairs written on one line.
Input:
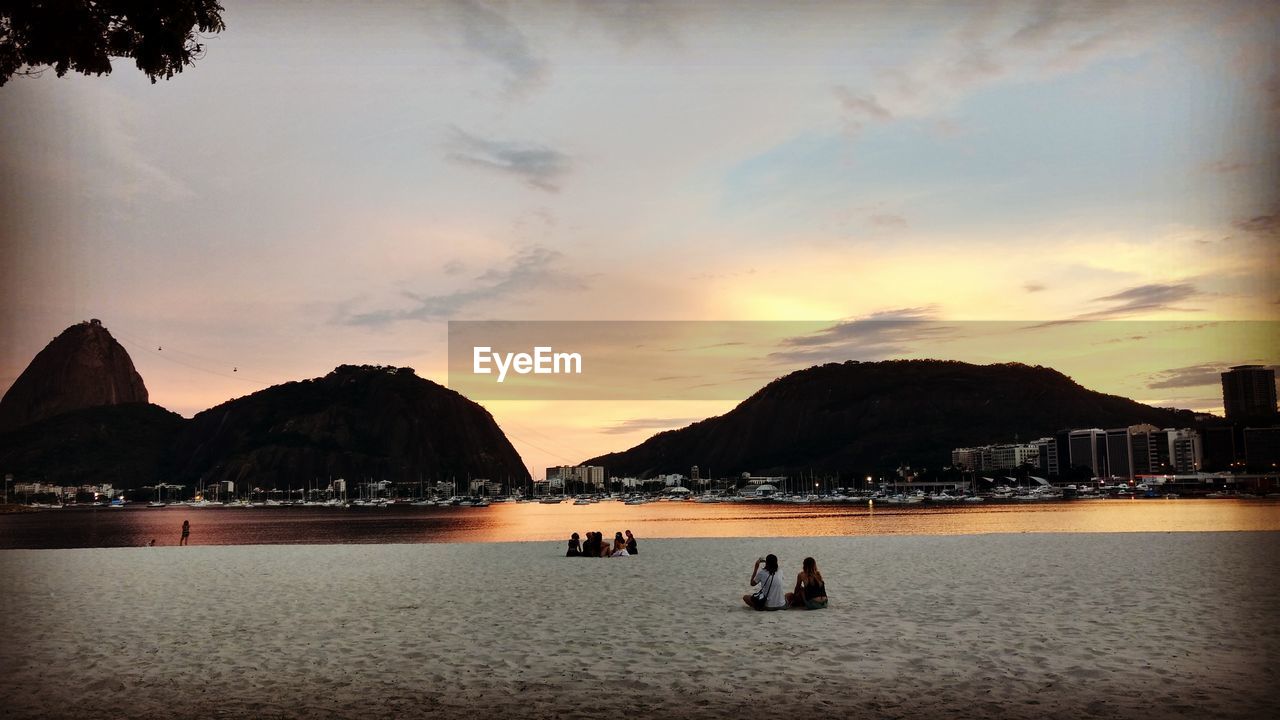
{"points": [[770, 594], [811, 589], [631, 543], [186, 532], [575, 549]]}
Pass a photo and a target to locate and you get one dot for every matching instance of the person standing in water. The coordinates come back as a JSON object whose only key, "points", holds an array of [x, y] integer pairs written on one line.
{"points": [[186, 532]]}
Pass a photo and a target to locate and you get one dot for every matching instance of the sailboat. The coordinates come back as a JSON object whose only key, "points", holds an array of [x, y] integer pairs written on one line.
{"points": [[159, 501]]}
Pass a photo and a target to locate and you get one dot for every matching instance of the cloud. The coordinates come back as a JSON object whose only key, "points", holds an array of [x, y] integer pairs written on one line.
{"points": [[530, 269], [1146, 298], [1140, 299], [492, 36], [887, 220], [1260, 224], [635, 21], [875, 337], [1227, 167], [723, 275], [1191, 376], [1033, 287], [538, 166], [861, 109], [636, 424], [993, 43]]}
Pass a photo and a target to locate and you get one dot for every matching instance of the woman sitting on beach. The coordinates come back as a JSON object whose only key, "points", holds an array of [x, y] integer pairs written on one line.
{"points": [[619, 547], [811, 591], [575, 549], [631, 543], [770, 595]]}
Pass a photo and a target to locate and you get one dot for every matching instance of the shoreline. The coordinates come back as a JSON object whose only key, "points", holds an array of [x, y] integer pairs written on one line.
{"points": [[1114, 625], [505, 522]]}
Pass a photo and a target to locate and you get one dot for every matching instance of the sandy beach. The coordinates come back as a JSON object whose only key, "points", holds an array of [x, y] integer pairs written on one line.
{"points": [[1037, 626]]}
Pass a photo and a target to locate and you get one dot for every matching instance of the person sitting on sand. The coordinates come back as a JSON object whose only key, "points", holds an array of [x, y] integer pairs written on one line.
{"points": [[575, 549], [811, 591], [186, 532], [619, 547], [605, 548], [770, 595], [631, 544]]}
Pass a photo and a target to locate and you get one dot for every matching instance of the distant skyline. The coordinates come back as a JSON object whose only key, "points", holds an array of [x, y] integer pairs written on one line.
{"points": [[332, 182]]}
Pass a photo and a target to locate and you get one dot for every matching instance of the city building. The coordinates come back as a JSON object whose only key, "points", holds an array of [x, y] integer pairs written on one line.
{"points": [[1184, 450], [1120, 452], [1014, 455], [1149, 449], [576, 475], [1262, 448], [1219, 448], [1047, 455], [969, 459], [1159, 452], [1088, 448], [1249, 393]]}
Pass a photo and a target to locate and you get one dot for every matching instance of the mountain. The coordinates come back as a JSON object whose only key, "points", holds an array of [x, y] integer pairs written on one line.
{"points": [[125, 446], [867, 417], [357, 422], [83, 367]]}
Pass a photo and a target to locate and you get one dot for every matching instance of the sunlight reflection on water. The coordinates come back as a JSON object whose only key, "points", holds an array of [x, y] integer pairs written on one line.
{"points": [[531, 521]]}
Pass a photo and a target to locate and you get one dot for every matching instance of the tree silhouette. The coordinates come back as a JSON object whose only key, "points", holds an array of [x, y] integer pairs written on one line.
{"points": [[162, 36]]}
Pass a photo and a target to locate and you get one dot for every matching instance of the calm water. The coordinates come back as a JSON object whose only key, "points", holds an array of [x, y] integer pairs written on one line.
{"points": [[103, 527]]}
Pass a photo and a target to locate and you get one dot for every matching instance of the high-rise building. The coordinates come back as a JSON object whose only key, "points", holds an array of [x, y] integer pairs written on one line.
{"points": [[1184, 450], [1089, 449], [572, 475], [1013, 455], [1249, 393], [1219, 448], [1150, 448], [1262, 448], [1163, 452], [1119, 453], [1047, 450]]}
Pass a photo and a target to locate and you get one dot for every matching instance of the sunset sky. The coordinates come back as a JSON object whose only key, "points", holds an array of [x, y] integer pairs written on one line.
{"points": [[332, 182]]}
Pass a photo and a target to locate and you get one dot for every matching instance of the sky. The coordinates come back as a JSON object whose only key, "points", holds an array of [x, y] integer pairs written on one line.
{"points": [[333, 182]]}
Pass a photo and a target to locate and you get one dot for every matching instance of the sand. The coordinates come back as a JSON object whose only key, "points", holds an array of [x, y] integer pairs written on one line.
{"points": [[1036, 626]]}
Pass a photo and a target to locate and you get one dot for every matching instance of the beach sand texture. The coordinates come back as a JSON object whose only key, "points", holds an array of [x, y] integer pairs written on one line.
{"points": [[1037, 626]]}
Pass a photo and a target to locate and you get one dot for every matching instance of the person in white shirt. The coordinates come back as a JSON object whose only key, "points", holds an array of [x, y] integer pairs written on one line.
{"points": [[619, 547], [771, 593]]}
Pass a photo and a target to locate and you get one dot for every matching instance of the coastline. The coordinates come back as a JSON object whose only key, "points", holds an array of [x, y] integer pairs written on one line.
{"points": [[1115, 625]]}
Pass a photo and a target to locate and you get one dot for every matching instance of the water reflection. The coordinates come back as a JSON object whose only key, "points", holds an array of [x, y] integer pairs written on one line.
{"points": [[522, 522]]}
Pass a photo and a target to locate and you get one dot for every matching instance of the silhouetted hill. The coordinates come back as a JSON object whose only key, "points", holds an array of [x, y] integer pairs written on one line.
{"points": [[866, 417], [123, 445], [357, 423], [81, 368]]}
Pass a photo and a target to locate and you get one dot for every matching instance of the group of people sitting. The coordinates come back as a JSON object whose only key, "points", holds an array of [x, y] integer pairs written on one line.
{"points": [[810, 592], [596, 546]]}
